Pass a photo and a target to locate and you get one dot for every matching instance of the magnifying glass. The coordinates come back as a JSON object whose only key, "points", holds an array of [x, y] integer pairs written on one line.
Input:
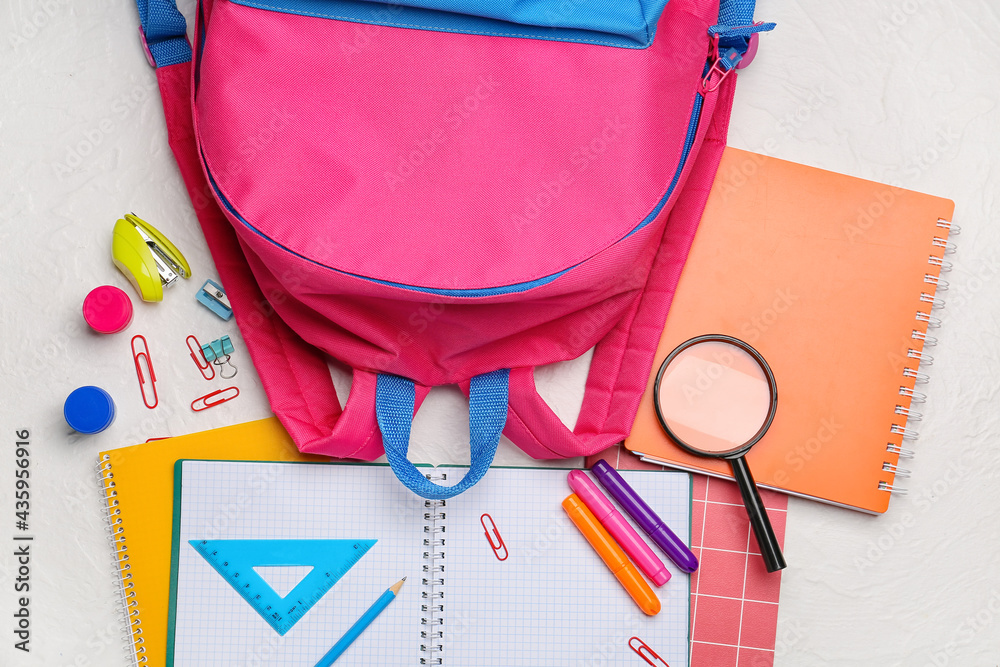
{"points": [[715, 396]]}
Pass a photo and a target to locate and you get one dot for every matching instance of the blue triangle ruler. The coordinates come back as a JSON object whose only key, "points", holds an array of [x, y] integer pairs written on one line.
{"points": [[235, 560]]}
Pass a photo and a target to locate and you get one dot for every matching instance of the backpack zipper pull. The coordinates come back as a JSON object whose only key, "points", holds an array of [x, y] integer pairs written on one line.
{"points": [[731, 48], [721, 62]]}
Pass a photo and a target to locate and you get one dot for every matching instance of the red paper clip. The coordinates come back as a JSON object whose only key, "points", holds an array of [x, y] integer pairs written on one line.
{"points": [[137, 356], [649, 655], [497, 548], [199, 358], [206, 403]]}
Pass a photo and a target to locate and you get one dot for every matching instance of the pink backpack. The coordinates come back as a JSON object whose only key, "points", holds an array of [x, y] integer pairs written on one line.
{"points": [[449, 191]]}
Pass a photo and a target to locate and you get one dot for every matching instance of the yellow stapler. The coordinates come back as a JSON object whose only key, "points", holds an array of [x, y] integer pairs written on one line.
{"points": [[147, 258]]}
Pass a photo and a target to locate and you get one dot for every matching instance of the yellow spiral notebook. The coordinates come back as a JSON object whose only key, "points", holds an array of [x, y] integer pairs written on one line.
{"points": [[138, 486]]}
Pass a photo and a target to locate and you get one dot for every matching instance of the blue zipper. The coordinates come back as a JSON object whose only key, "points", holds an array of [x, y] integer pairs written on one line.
{"points": [[692, 132]]}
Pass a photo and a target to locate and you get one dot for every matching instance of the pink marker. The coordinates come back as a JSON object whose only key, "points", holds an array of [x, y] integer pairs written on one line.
{"points": [[610, 518]]}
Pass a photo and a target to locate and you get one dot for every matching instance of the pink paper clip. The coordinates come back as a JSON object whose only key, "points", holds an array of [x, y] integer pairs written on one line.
{"points": [[649, 655], [137, 357], [500, 547], [206, 403], [199, 358]]}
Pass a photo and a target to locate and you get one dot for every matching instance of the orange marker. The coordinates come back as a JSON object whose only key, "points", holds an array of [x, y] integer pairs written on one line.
{"points": [[612, 555]]}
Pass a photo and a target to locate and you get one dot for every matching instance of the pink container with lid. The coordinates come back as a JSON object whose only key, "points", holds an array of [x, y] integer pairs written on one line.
{"points": [[107, 309]]}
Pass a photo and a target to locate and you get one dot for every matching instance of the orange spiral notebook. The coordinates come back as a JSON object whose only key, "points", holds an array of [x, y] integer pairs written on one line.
{"points": [[832, 279]]}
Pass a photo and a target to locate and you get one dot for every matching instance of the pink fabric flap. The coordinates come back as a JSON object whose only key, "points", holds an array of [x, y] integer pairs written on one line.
{"points": [[622, 360]]}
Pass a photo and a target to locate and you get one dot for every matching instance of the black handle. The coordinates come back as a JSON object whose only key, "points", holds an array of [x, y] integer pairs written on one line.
{"points": [[768, 543]]}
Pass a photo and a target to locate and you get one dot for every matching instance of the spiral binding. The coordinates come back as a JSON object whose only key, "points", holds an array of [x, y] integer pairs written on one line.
{"points": [[911, 415], [947, 245], [129, 611], [953, 229], [931, 299], [942, 264], [928, 319], [895, 469], [903, 453], [432, 634], [891, 488], [914, 396], [907, 433], [931, 302], [917, 376], [939, 283]]}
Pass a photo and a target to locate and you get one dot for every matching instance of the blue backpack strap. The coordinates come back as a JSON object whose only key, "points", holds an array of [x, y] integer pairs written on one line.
{"points": [[735, 28], [736, 12], [394, 399], [164, 32]]}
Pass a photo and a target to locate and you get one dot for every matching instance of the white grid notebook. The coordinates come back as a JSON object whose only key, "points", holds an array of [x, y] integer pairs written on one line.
{"points": [[551, 600]]}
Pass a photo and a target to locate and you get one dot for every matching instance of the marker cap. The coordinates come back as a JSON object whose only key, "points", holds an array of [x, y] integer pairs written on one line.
{"points": [[89, 410], [643, 514], [618, 527], [590, 495]]}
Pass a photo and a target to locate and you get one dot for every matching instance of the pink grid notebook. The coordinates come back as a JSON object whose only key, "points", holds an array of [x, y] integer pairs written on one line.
{"points": [[734, 601]]}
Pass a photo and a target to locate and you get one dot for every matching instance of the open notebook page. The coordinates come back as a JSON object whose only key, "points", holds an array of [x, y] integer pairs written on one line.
{"points": [[552, 601], [231, 500]]}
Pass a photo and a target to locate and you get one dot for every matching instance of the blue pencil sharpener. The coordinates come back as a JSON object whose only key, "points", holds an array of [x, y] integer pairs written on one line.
{"points": [[212, 296]]}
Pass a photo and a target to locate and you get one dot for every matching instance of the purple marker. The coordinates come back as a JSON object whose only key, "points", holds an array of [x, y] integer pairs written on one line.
{"points": [[647, 519]]}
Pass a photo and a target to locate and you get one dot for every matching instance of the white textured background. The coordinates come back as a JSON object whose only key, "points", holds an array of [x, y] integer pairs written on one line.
{"points": [[901, 91]]}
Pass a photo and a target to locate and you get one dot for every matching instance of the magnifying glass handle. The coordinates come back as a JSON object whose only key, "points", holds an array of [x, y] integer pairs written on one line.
{"points": [[766, 540]]}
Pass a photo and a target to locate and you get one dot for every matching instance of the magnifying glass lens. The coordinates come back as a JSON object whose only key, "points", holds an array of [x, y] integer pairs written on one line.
{"points": [[714, 397]]}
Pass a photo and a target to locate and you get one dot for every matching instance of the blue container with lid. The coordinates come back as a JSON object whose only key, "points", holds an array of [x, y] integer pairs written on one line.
{"points": [[89, 410]]}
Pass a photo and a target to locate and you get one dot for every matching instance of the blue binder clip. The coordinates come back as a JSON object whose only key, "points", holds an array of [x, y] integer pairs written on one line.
{"points": [[212, 296], [218, 352]]}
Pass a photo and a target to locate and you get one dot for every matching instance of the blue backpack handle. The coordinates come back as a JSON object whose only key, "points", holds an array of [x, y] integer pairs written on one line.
{"points": [[164, 32], [394, 400]]}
